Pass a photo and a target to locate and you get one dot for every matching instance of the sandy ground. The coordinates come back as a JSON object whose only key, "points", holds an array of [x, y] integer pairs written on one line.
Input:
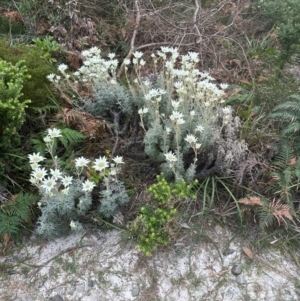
{"points": [[106, 266]]}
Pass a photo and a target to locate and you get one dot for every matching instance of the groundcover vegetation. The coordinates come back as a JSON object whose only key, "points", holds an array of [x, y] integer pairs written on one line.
{"points": [[147, 116]]}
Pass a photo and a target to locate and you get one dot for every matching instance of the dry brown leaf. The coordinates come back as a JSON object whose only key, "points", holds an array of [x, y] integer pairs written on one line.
{"points": [[185, 225], [5, 242], [13, 197], [248, 252], [293, 161], [245, 81], [252, 201], [261, 79]]}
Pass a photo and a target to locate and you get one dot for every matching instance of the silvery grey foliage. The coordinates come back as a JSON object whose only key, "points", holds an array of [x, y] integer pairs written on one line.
{"points": [[108, 97], [185, 122], [112, 196], [58, 210]]}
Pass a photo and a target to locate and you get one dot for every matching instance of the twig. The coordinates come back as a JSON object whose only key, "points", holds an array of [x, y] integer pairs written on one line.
{"points": [[132, 42]]}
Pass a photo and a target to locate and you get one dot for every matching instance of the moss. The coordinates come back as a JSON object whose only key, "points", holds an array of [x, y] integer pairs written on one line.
{"points": [[37, 87]]}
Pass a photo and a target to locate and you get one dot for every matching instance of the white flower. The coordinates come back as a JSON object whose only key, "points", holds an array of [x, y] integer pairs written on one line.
{"points": [[190, 139], [143, 111], [176, 115], [192, 113], [194, 56], [39, 173], [100, 164], [165, 49], [170, 157], [199, 128], [175, 104], [111, 55], [72, 225], [47, 139], [95, 50], [178, 84], [127, 61], [67, 180], [81, 162], [34, 166], [33, 180], [54, 133], [224, 86], [51, 77], [62, 68], [142, 62], [227, 110], [65, 191], [138, 54], [198, 145], [118, 160], [113, 172], [56, 173], [180, 121], [168, 130], [88, 186], [35, 158], [48, 184]]}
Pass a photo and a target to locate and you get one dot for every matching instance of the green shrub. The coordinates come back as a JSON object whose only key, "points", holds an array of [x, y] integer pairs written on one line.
{"points": [[153, 227], [286, 16], [12, 114], [37, 87]]}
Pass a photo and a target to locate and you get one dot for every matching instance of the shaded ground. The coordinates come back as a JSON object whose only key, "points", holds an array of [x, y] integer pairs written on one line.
{"points": [[106, 266]]}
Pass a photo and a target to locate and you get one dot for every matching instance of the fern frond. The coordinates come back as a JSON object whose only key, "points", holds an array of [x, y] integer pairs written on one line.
{"points": [[70, 137], [251, 201]]}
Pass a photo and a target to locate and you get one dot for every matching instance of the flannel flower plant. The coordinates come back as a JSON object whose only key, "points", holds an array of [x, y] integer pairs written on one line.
{"points": [[181, 111], [94, 69], [66, 197]]}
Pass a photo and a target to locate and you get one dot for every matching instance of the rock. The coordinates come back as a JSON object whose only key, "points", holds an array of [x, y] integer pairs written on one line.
{"points": [[240, 279], [91, 283], [56, 298], [236, 269], [135, 291]]}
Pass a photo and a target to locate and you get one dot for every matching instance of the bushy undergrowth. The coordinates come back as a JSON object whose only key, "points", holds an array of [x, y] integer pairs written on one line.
{"points": [[66, 197], [155, 225], [36, 88], [185, 126]]}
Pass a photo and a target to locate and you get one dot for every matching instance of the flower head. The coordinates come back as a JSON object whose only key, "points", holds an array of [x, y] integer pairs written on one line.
{"points": [[138, 54], [35, 158], [39, 174], [170, 157], [118, 160], [67, 180], [48, 184], [199, 128], [111, 55], [190, 139], [51, 77], [88, 186], [175, 104], [127, 61], [62, 68], [81, 162], [54, 133], [100, 164], [227, 110], [224, 86], [56, 173]]}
